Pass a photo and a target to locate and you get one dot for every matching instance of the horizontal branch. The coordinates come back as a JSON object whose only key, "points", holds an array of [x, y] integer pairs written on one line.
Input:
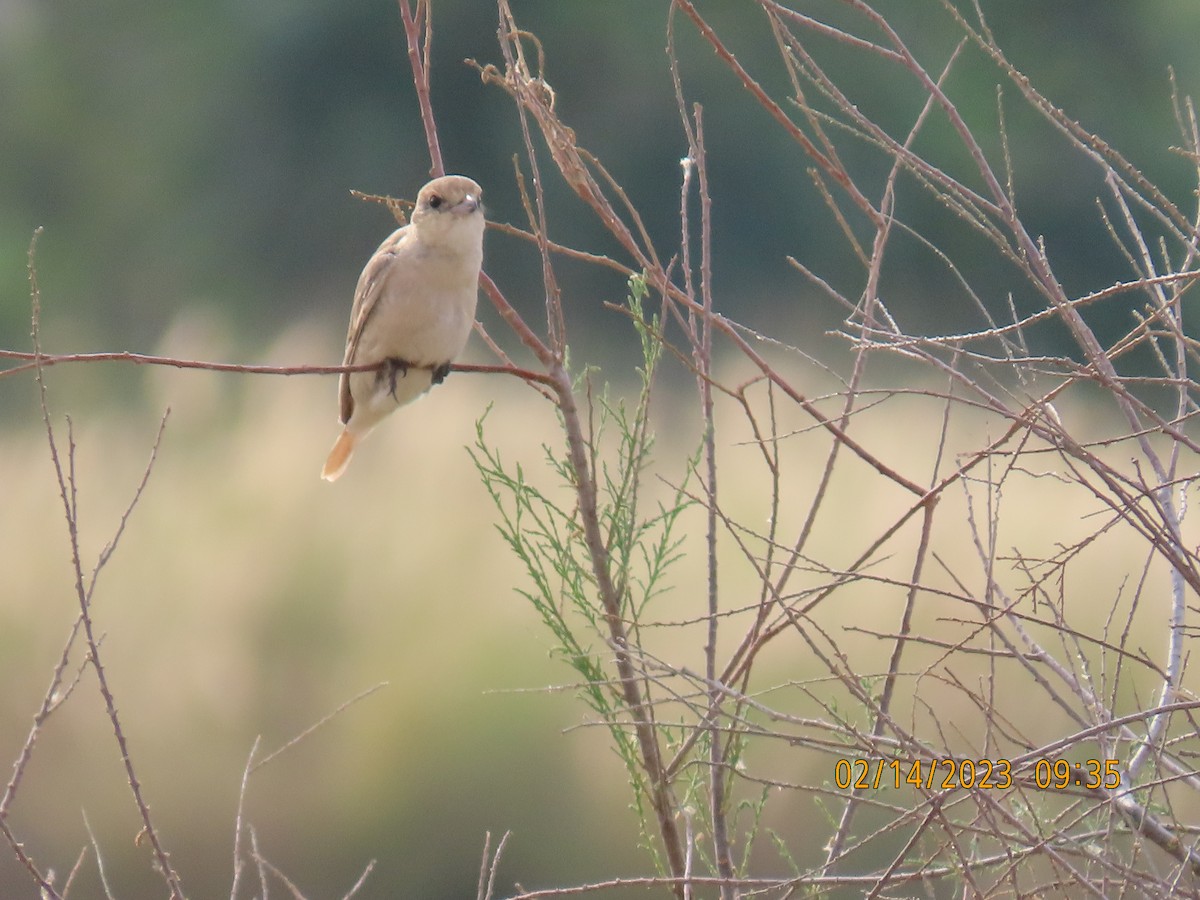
{"points": [[30, 361]]}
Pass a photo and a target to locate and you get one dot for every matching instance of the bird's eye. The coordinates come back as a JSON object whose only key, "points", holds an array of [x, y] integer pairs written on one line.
{"points": [[435, 201]]}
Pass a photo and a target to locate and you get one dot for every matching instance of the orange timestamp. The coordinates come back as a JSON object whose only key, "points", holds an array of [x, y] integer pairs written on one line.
{"points": [[985, 774]]}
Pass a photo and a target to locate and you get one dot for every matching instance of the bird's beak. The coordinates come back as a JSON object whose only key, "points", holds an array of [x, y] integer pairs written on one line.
{"points": [[466, 205]]}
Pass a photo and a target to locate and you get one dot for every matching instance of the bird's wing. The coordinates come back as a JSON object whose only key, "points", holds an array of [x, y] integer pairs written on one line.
{"points": [[366, 296]]}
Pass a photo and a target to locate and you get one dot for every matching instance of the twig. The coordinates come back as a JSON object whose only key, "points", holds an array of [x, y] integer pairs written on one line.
{"points": [[67, 491], [273, 869], [238, 862], [108, 893], [142, 359], [324, 720], [488, 866], [703, 356], [362, 879], [418, 33]]}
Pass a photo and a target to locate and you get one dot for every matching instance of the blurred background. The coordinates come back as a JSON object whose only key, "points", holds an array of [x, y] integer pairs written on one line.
{"points": [[191, 164]]}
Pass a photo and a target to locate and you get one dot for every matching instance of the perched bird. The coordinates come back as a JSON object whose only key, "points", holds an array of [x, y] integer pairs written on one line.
{"points": [[413, 310]]}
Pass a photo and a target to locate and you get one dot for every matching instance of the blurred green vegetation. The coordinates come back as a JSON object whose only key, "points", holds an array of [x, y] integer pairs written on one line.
{"points": [[201, 154], [191, 163]]}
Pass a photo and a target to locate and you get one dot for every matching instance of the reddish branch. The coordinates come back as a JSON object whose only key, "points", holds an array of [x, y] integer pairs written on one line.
{"points": [[46, 360]]}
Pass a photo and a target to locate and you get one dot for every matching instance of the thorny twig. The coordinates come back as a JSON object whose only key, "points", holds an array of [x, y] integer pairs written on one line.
{"points": [[84, 586]]}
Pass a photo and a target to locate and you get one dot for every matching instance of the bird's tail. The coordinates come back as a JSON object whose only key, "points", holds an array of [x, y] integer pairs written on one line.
{"points": [[339, 456]]}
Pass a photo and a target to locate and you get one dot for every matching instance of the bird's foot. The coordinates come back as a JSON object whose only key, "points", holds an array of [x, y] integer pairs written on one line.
{"points": [[440, 373], [394, 367]]}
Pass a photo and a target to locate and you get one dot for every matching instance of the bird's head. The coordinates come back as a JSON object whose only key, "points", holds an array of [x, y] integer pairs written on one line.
{"points": [[449, 212]]}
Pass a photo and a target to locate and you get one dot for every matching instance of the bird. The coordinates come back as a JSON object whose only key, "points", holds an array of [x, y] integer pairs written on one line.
{"points": [[413, 310]]}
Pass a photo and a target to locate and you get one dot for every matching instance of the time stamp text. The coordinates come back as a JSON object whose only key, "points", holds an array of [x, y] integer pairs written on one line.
{"points": [[950, 774]]}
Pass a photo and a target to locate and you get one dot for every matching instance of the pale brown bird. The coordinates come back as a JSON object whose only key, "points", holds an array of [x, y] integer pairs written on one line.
{"points": [[413, 310]]}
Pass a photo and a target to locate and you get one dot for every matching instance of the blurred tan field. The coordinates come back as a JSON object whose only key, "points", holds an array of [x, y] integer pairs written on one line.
{"points": [[248, 598]]}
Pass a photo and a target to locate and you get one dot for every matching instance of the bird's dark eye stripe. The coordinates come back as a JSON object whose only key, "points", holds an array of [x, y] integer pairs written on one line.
{"points": [[435, 201]]}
